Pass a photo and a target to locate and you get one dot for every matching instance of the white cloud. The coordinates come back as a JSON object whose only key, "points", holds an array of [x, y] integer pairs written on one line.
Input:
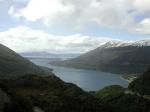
{"points": [[39, 9], [77, 13], [142, 5], [143, 26], [23, 39], [20, 0], [11, 10]]}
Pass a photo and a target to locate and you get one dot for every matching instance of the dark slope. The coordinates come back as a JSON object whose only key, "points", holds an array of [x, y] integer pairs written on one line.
{"points": [[12, 64], [116, 97], [141, 85], [128, 59], [48, 93]]}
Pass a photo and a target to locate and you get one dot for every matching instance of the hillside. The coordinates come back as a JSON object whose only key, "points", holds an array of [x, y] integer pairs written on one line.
{"points": [[13, 65], [119, 101], [142, 84], [116, 57], [50, 94], [135, 98]]}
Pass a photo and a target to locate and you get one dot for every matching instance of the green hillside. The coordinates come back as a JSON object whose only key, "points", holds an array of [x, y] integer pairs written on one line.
{"points": [[123, 60]]}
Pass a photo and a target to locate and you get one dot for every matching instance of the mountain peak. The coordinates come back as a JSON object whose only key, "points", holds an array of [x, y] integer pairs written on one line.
{"points": [[114, 43], [119, 43]]}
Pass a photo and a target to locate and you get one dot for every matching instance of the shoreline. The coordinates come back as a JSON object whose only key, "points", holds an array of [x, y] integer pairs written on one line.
{"points": [[129, 78]]}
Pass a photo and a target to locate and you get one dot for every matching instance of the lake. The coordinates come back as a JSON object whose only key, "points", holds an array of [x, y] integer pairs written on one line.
{"points": [[89, 80]]}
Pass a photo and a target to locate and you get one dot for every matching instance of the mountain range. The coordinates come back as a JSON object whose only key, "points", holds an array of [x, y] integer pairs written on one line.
{"points": [[43, 54], [119, 43], [114, 56]]}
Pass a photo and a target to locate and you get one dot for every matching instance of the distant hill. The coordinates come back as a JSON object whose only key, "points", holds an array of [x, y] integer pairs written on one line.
{"points": [[43, 54], [115, 56]]}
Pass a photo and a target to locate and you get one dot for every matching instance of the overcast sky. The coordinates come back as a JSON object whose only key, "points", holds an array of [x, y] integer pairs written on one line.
{"points": [[71, 26]]}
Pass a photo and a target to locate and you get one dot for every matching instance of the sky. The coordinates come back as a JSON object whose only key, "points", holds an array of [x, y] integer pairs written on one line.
{"points": [[71, 26]]}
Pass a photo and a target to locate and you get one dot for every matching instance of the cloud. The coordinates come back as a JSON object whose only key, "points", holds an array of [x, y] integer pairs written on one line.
{"points": [[39, 9], [142, 5], [24, 39], [143, 26], [11, 10], [20, 0], [78, 13]]}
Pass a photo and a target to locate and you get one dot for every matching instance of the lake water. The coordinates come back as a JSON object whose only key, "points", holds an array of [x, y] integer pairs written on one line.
{"points": [[89, 80]]}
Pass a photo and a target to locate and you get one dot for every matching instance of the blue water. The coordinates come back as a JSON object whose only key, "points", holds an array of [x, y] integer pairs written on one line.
{"points": [[89, 80]]}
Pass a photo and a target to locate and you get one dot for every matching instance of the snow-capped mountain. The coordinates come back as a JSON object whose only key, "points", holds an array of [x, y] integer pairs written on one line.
{"points": [[119, 57], [117, 43], [114, 43], [141, 43]]}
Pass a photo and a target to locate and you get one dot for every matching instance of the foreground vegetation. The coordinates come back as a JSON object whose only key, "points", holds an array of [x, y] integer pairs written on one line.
{"points": [[48, 93], [142, 84], [119, 101]]}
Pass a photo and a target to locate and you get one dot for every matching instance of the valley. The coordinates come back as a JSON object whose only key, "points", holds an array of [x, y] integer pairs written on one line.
{"points": [[35, 85], [74, 55]]}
